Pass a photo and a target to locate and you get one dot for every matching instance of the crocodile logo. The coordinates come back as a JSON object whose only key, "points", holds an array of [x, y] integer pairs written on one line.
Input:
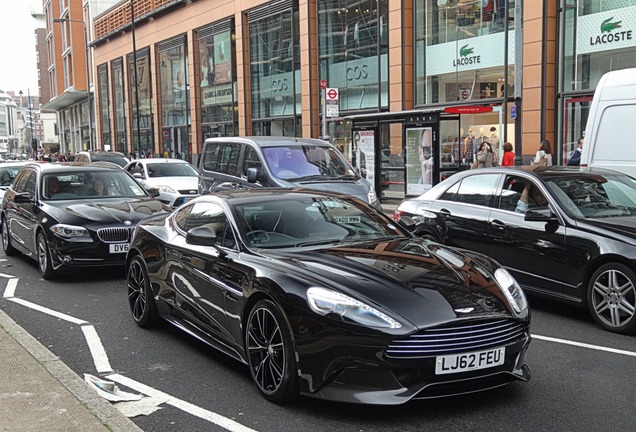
{"points": [[608, 26], [464, 51]]}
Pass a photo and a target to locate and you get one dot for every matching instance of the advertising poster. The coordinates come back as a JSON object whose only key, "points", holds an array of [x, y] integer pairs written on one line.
{"points": [[363, 147], [222, 58], [419, 160]]}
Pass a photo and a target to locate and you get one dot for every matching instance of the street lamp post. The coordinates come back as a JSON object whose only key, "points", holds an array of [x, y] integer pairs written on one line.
{"points": [[134, 47], [88, 79], [32, 133]]}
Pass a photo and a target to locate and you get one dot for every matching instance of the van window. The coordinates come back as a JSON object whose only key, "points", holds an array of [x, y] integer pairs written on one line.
{"points": [[222, 158], [251, 160], [612, 132]]}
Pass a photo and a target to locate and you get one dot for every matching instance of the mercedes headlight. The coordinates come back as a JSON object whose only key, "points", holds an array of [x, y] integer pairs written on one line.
{"points": [[511, 289], [324, 301], [71, 233]]}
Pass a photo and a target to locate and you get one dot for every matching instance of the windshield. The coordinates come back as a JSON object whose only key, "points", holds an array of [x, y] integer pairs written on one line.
{"points": [[311, 221], [169, 169], [295, 163], [81, 185], [595, 196]]}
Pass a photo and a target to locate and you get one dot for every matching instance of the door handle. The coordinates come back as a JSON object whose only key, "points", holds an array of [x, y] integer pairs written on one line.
{"points": [[445, 212], [496, 223]]}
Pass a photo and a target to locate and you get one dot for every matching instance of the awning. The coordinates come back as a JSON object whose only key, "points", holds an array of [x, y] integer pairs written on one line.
{"points": [[65, 100]]}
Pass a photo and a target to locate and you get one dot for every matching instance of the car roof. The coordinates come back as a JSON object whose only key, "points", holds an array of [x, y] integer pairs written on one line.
{"points": [[271, 141], [70, 166], [103, 153], [160, 160]]}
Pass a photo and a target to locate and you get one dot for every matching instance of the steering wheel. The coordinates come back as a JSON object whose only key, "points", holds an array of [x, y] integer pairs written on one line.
{"points": [[255, 234]]}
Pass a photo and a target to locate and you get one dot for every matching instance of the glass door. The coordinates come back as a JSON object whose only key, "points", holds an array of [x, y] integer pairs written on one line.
{"points": [[575, 113]]}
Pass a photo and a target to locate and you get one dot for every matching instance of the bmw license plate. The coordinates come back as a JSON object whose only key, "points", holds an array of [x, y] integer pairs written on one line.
{"points": [[118, 247], [455, 363]]}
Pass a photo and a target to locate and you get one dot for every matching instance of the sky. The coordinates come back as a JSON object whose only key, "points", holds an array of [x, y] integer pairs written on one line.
{"points": [[17, 49]]}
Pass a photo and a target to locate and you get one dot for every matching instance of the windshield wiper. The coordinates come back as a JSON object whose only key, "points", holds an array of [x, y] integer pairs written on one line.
{"points": [[319, 242], [315, 177]]}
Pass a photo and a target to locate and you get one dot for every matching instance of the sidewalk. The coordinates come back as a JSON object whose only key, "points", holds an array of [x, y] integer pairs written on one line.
{"points": [[40, 393]]}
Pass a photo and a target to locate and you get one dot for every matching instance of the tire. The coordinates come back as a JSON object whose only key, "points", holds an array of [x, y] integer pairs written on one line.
{"points": [[270, 353], [140, 299], [8, 248], [611, 297], [44, 257]]}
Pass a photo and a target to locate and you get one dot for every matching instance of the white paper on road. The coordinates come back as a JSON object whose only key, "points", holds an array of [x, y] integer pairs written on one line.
{"points": [[109, 390], [145, 406]]}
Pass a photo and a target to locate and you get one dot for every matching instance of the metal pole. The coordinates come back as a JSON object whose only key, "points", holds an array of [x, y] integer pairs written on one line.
{"points": [[88, 90], [134, 43], [518, 74], [33, 151], [505, 92]]}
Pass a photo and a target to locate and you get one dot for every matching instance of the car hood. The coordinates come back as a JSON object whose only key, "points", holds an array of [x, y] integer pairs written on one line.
{"points": [[178, 183], [357, 188], [622, 226], [109, 210], [422, 282]]}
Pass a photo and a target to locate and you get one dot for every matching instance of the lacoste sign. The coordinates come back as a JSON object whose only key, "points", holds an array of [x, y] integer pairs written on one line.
{"points": [[604, 31], [465, 57]]}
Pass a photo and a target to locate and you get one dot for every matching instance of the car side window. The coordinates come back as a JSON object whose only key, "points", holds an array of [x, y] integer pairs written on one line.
{"points": [[22, 179], [229, 159], [477, 189], [511, 192], [212, 215], [251, 159]]}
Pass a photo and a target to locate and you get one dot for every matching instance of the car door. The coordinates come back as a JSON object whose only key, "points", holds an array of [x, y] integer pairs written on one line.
{"points": [[534, 252], [464, 210], [198, 274], [22, 216]]}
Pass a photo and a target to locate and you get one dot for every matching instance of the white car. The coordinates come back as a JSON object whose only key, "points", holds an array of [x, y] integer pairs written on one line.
{"points": [[176, 180], [8, 171]]}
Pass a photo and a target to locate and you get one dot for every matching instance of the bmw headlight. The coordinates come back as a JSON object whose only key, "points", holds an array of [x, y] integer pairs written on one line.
{"points": [[166, 189], [71, 233], [371, 196], [511, 289], [324, 301]]}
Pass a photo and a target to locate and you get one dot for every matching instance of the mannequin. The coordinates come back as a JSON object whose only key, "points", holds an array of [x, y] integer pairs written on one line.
{"points": [[494, 141], [469, 147]]}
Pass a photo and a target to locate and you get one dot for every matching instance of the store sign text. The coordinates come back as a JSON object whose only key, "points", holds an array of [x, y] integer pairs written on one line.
{"points": [[612, 37], [467, 61], [358, 72]]}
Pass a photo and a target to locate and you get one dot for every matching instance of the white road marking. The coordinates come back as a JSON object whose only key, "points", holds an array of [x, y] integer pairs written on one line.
{"points": [[48, 311], [585, 345], [6, 276], [9, 291], [100, 359], [204, 414]]}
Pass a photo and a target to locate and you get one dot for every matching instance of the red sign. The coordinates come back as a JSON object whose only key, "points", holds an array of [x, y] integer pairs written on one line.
{"points": [[323, 84], [468, 109], [332, 94]]}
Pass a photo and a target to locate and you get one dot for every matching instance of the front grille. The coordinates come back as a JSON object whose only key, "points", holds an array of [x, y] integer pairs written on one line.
{"points": [[460, 337], [113, 235]]}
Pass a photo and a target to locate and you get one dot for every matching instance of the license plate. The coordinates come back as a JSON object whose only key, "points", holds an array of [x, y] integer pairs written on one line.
{"points": [[455, 363], [118, 247]]}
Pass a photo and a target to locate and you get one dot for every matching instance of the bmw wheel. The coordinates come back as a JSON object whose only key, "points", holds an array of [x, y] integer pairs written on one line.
{"points": [[142, 303], [44, 258], [9, 250], [612, 297], [270, 353]]}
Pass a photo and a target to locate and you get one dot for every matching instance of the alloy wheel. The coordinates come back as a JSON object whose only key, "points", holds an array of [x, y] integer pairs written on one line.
{"points": [[613, 298], [136, 290], [266, 350]]}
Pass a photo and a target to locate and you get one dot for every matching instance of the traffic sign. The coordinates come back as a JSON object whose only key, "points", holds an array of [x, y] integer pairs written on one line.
{"points": [[332, 94], [323, 84]]}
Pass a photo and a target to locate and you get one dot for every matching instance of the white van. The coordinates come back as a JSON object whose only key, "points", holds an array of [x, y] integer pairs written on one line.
{"points": [[611, 125]]}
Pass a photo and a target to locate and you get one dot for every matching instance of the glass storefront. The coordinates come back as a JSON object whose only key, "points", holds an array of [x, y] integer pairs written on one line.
{"points": [[274, 49], [119, 106], [458, 50], [598, 36], [174, 96], [104, 107], [141, 101], [217, 79]]}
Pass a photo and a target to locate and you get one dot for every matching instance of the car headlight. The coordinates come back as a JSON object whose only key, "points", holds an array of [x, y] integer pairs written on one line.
{"points": [[511, 289], [324, 301], [166, 189], [371, 196], [71, 233]]}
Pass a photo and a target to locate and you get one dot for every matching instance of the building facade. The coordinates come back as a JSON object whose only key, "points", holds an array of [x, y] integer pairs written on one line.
{"points": [[410, 87]]}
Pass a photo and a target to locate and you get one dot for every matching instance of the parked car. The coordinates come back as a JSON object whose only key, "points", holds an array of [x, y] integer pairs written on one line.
{"points": [[8, 171], [71, 216], [235, 162], [175, 180], [576, 242], [99, 156], [323, 295]]}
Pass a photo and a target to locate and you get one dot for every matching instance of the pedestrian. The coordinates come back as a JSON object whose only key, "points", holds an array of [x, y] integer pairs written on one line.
{"points": [[166, 154], [575, 157], [544, 154], [485, 156], [149, 155], [508, 156]]}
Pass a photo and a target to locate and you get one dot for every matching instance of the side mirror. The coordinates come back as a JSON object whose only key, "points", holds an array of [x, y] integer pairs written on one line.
{"points": [[154, 192], [407, 222], [201, 236], [138, 176], [23, 197], [253, 175], [540, 215]]}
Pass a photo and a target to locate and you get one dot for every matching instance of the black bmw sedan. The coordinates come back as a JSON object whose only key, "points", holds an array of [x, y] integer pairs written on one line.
{"points": [[567, 233], [322, 295], [70, 217]]}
